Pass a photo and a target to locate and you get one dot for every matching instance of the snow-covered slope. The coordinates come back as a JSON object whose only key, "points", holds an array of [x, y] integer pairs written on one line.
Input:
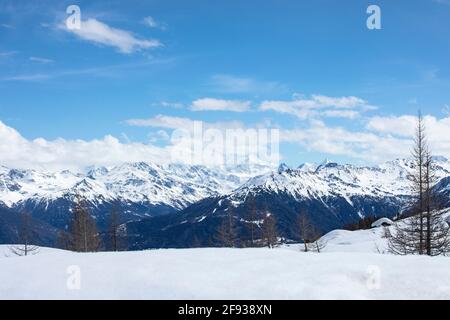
{"points": [[245, 274], [363, 241], [353, 265]]}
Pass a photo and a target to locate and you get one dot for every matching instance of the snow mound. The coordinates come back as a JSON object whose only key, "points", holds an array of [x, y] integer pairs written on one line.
{"points": [[381, 222], [5, 251]]}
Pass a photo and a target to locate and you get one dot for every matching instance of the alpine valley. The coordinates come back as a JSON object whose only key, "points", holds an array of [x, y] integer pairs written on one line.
{"points": [[164, 206]]}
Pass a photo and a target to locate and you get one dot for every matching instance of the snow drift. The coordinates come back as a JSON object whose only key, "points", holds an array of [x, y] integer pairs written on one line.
{"points": [[351, 267]]}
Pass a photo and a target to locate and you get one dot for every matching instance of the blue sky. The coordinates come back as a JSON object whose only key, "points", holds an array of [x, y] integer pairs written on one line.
{"points": [[292, 65]]}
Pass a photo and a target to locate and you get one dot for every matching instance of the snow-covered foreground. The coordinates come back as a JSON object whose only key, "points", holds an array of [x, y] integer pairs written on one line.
{"points": [[283, 273]]}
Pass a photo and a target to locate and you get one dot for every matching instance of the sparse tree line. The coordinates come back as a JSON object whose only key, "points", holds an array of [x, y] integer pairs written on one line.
{"points": [[81, 235], [263, 232]]}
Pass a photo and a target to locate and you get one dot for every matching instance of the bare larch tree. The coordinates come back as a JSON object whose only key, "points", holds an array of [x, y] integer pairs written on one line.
{"points": [[437, 239], [25, 237], [310, 236], [251, 218], [304, 229], [116, 234], [226, 233], [269, 230], [83, 229], [64, 240], [318, 243], [425, 231]]}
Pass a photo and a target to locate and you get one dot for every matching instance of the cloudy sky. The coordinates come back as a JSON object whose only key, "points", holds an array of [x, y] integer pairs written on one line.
{"points": [[116, 89]]}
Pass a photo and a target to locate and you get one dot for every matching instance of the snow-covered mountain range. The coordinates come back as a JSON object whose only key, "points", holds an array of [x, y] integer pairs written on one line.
{"points": [[331, 194], [186, 197], [331, 179], [174, 185]]}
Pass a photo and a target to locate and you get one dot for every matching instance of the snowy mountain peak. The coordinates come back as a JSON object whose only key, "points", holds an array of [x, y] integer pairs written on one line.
{"points": [[308, 167], [439, 159], [283, 167], [96, 171], [327, 163]]}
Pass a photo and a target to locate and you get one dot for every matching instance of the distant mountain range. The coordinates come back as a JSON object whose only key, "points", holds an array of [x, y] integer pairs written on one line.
{"points": [[177, 205], [138, 190]]}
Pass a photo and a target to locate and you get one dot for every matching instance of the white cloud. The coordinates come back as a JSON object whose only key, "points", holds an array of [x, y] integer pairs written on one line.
{"points": [[40, 60], [103, 71], [446, 109], [319, 105], [371, 147], [397, 125], [442, 1], [220, 105], [27, 77], [162, 121], [169, 122], [152, 23], [210, 104], [230, 140], [100, 33], [340, 102], [159, 136], [437, 130], [368, 146], [232, 84], [7, 53], [175, 105], [59, 154], [18, 152], [384, 138], [350, 114]]}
